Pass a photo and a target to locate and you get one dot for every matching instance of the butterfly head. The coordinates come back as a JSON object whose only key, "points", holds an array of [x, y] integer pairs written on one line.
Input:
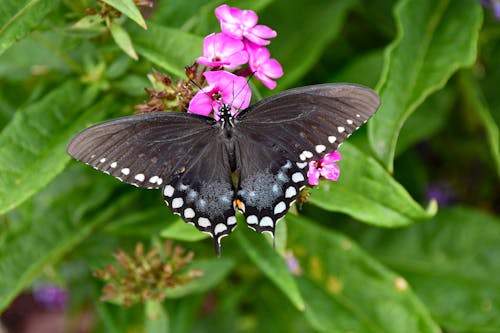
{"points": [[225, 113]]}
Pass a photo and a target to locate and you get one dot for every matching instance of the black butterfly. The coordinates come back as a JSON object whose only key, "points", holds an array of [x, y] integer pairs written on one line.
{"points": [[193, 158]]}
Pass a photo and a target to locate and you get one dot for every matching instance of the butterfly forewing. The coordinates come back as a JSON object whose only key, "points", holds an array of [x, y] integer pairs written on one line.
{"points": [[308, 122], [178, 152], [268, 184], [143, 150]]}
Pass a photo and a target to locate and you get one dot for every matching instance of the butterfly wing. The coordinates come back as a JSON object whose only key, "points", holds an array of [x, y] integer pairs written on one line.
{"points": [[183, 153], [278, 136]]}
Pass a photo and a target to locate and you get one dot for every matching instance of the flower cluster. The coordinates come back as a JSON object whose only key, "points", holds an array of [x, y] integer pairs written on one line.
{"points": [[325, 167], [220, 77], [144, 276], [242, 42]]}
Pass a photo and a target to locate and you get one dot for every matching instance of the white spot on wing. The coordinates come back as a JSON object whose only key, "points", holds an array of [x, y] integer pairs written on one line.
{"points": [[189, 213], [252, 219], [125, 171], [279, 208], [349, 121], [266, 221], [301, 165], [332, 139], [290, 192], [231, 220], [297, 177], [320, 149], [219, 228], [113, 165], [153, 179], [140, 177], [204, 222], [102, 160], [168, 191], [341, 129], [177, 203]]}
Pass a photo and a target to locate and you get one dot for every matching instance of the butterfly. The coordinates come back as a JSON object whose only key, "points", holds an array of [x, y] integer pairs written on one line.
{"points": [[255, 161]]}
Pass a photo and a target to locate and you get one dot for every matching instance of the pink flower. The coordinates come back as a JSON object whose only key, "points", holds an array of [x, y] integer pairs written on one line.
{"points": [[222, 50], [241, 24], [325, 167], [223, 88], [263, 67]]}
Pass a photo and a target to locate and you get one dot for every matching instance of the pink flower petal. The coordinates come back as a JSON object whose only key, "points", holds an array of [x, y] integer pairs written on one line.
{"points": [[224, 88], [313, 174], [200, 104], [239, 23], [331, 172], [332, 157], [264, 68], [263, 31], [247, 17], [222, 50], [325, 168], [272, 68]]}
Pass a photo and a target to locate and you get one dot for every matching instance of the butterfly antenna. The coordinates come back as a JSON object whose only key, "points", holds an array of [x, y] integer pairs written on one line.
{"points": [[239, 92]]}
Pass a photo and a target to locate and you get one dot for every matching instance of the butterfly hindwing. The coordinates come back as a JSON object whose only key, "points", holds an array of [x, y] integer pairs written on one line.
{"points": [[202, 193], [268, 183]]}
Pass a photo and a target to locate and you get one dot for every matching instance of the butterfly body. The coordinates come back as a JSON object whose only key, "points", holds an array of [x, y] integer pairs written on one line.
{"points": [[193, 158]]}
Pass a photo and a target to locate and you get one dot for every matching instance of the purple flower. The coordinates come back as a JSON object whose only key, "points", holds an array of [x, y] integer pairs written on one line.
{"points": [[51, 297], [263, 67], [223, 88], [325, 167], [292, 263], [442, 192], [222, 50], [241, 24], [494, 5]]}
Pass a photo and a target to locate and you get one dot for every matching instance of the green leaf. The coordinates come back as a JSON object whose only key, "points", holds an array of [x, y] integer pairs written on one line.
{"points": [[435, 38], [180, 230], [19, 17], [475, 100], [171, 49], [142, 222], [418, 127], [33, 144], [128, 8], [123, 40], [368, 193], [39, 236], [452, 263], [156, 318], [348, 291], [364, 69], [300, 48], [271, 264], [214, 271]]}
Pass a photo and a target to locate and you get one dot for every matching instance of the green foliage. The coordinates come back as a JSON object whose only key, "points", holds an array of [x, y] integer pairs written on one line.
{"points": [[434, 39], [369, 253]]}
